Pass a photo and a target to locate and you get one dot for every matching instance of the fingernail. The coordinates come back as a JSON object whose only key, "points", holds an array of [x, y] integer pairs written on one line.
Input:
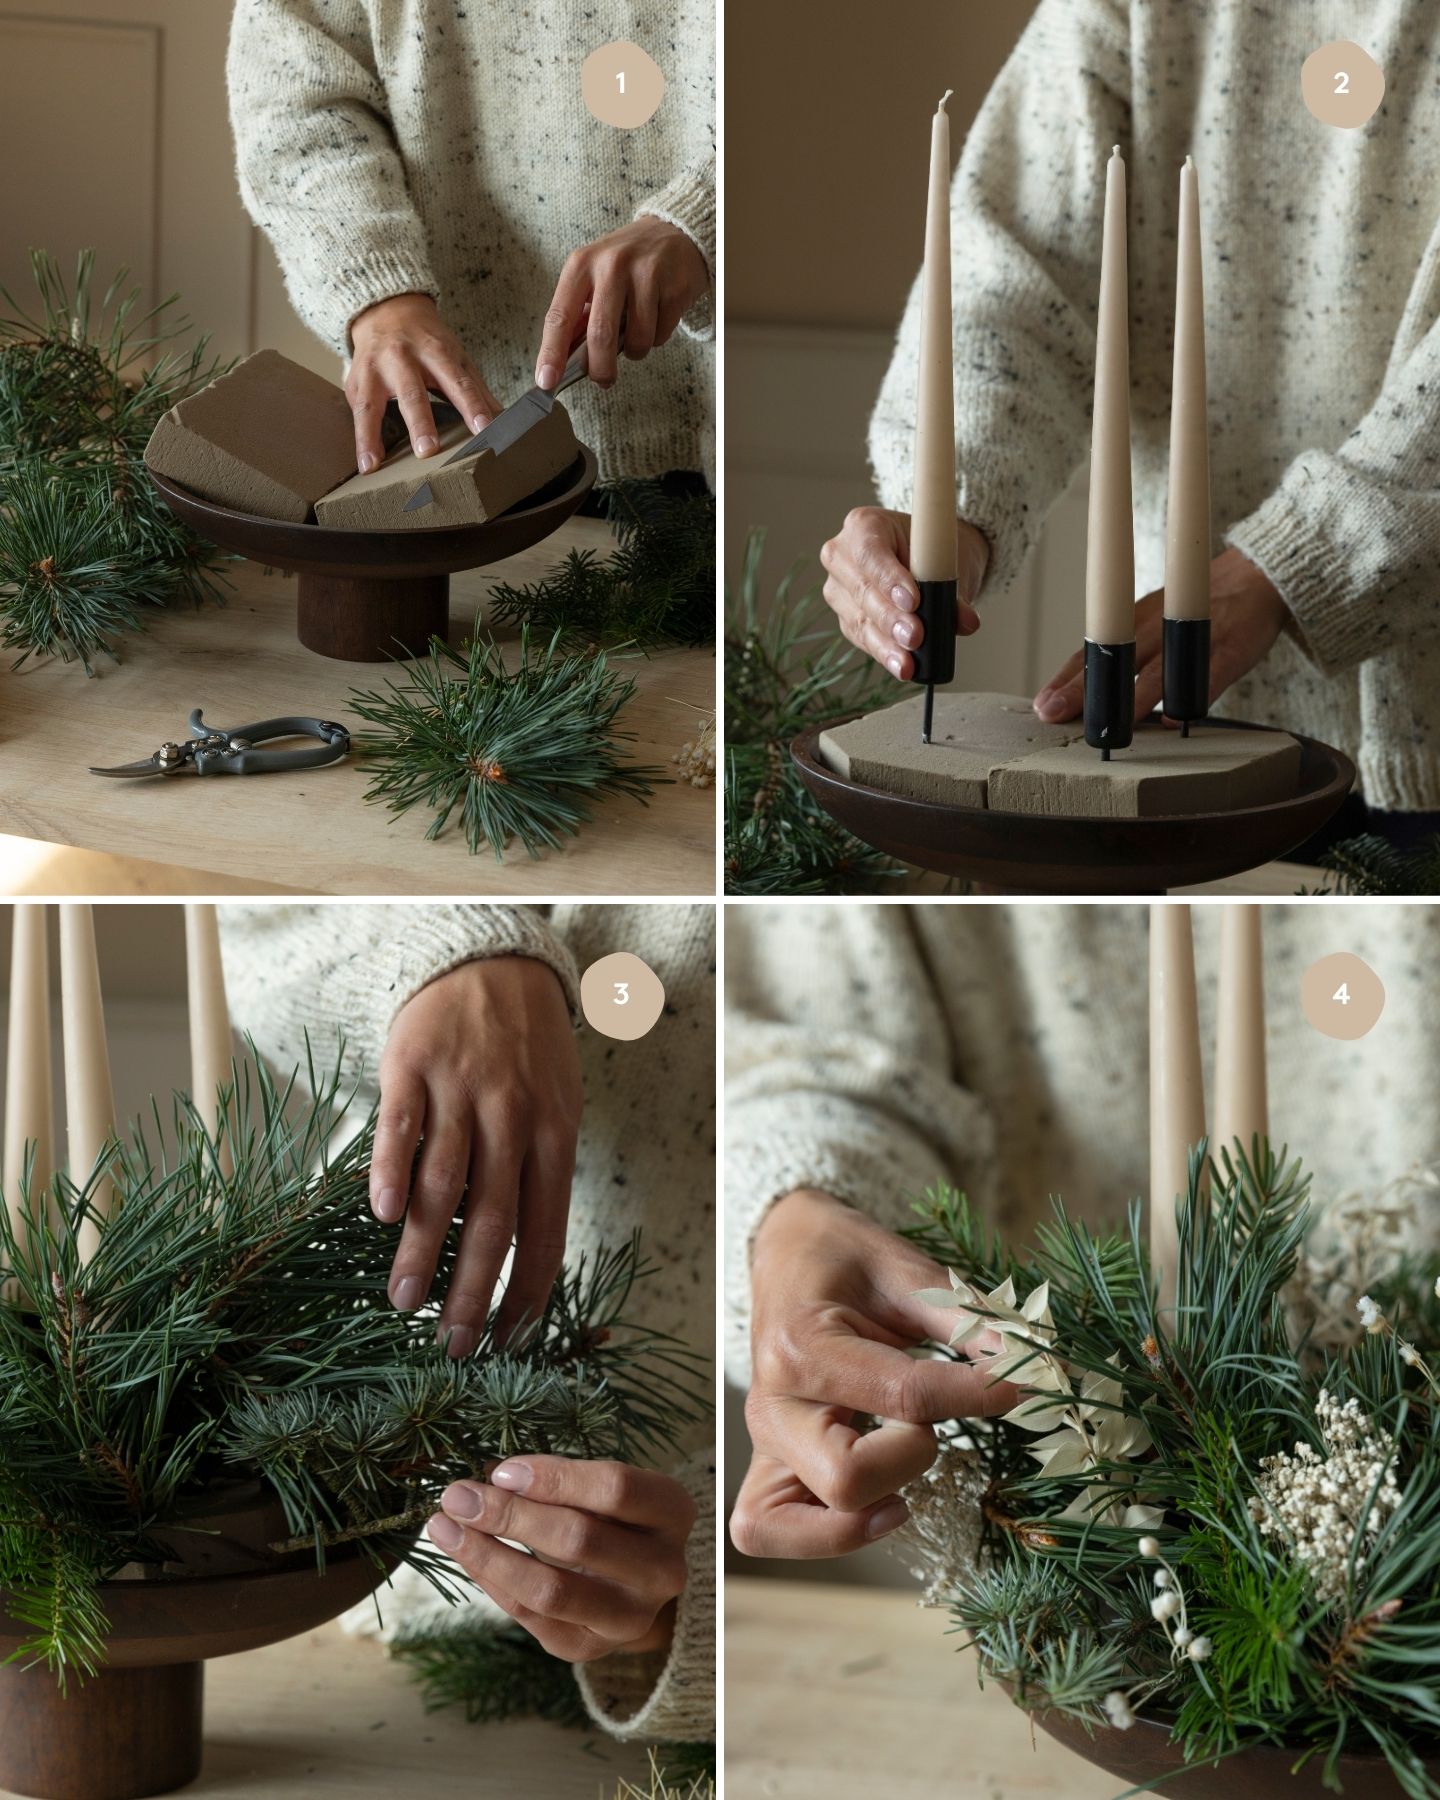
{"points": [[516, 1476], [903, 632], [546, 376], [459, 1341], [480, 421], [407, 1293], [367, 463], [1048, 703], [893, 664], [445, 1533], [427, 445], [905, 598], [388, 1205], [462, 1501], [886, 1518]]}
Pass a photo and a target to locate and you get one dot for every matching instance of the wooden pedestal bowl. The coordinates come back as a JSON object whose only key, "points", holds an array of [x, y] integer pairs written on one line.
{"points": [[369, 596], [136, 1727], [1144, 1754], [1024, 853]]}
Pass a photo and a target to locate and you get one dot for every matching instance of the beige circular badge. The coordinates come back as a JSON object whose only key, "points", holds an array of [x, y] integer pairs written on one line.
{"points": [[1342, 996], [621, 85], [621, 996], [1341, 84]]}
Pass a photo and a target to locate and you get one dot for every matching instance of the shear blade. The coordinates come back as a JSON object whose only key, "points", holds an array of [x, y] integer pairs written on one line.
{"points": [[421, 497]]}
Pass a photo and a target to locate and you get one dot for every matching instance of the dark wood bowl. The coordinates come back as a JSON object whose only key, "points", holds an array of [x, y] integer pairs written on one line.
{"points": [[1144, 1754], [137, 1726], [367, 596], [1026, 854]]}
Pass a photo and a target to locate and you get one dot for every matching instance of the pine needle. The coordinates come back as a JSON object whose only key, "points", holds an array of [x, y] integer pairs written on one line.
{"points": [[522, 754]]}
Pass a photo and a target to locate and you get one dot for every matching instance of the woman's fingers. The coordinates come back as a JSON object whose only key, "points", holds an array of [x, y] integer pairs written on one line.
{"points": [[435, 1197], [366, 393], [542, 1220], [485, 1239], [397, 1133], [614, 1490], [607, 310], [844, 1468], [562, 320], [461, 384], [571, 1538], [843, 1369], [642, 306], [777, 1515], [613, 1612]]}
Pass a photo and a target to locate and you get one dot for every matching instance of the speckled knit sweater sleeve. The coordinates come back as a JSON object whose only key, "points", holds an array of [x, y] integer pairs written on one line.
{"points": [[1322, 315], [646, 1158], [838, 1076], [443, 147]]}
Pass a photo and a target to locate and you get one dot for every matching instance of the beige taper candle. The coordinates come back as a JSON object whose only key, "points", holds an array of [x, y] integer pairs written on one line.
{"points": [[1177, 1088], [29, 1103], [89, 1098], [932, 519], [210, 1050], [1241, 1101], [1110, 546], [1187, 516]]}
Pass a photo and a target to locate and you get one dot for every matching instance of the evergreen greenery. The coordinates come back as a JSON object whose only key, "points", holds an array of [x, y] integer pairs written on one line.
{"points": [[657, 587], [1371, 866], [519, 754], [494, 1671], [86, 544], [233, 1326], [786, 669], [1059, 1607]]}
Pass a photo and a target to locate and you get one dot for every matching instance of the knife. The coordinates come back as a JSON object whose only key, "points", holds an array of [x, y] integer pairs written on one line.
{"points": [[512, 424]]}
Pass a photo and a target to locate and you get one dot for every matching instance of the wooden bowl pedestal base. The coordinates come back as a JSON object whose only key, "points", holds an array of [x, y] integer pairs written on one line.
{"points": [[121, 1734], [371, 621]]}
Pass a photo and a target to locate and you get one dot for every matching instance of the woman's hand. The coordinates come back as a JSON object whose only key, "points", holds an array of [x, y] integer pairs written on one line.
{"points": [[646, 276], [402, 349], [833, 1317], [873, 594], [482, 1066], [608, 1543], [1246, 616]]}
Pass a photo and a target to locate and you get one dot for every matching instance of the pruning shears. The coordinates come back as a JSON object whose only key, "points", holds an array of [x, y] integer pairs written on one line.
{"points": [[208, 751]]}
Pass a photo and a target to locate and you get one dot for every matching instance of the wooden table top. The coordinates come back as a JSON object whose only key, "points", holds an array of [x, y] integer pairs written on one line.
{"points": [[330, 1714], [851, 1693], [311, 831]]}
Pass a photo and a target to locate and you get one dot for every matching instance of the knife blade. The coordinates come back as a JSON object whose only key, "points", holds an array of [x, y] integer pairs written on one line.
{"points": [[511, 425]]}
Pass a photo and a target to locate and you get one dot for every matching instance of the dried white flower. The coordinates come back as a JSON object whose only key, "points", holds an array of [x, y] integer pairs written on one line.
{"points": [[942, 1534], [1409, 1355], [695, 758], [1149, 1546], [1320, 1504], [1164, 1606], [1437, 1287], [1183, 1636], [1199, 1649], [1117, 1710], [1371, 1316], [1163, 1578]]}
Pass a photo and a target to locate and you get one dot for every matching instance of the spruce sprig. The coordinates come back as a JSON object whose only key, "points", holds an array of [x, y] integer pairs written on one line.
{"points": [[87, 547], [231, 1325], [787, 668], [521, 754], [656, 587]]}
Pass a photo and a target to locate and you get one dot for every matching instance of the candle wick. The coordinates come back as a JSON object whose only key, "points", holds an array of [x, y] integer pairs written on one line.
{"points": [[1189, 162], [943, 98], [1115, 150]]}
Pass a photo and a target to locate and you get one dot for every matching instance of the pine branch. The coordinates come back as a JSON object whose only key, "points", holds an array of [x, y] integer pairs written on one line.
{"points": [[1372, 867], [493, 1671], [656, 587], [87, 548], [787, 669], [521, 754], [232, 1325]]}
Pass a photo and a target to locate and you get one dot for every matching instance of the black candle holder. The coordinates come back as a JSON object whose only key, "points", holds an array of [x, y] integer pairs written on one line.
{"points": [[1109, 696], [935, 654], [1185, 656]]}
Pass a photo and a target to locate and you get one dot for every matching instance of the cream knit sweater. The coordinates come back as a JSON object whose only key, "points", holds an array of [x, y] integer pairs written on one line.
{"points": [[1322, 310], [872, 1050], [646, 1158], [442, 147]]}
